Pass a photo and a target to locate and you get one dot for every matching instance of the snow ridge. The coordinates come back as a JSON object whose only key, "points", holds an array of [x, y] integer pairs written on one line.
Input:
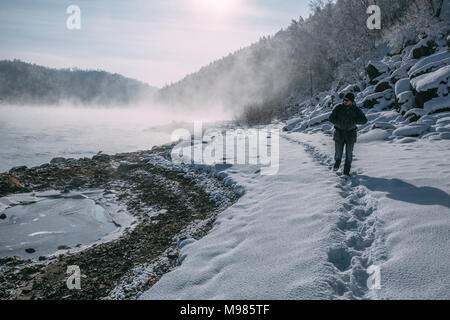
{"points": [[355, 245]]}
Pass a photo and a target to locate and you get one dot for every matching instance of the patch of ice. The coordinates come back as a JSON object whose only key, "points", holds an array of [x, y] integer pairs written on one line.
{"points": [[45, 233]]}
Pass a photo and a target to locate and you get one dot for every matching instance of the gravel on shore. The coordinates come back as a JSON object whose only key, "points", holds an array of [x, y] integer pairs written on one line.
{"points": [[171, 203]]}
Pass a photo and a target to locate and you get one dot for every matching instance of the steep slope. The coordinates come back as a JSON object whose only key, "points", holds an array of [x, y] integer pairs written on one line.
{"points": [[405, 95]]}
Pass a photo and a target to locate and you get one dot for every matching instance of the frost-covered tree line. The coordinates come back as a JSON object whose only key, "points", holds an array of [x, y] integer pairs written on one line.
{"points": [[25, 83], [309, 56]]}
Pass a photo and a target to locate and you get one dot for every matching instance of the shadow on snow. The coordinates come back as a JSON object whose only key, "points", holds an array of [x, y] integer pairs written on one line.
{"points": [[400, 190]]}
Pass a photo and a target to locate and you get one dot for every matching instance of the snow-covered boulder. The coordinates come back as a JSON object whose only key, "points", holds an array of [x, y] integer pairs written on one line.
{"points": [[414, 114], [443, 128], [443, 121], [375, 69], [385, 116], [353, 88], [367, 91], [383, 85], [427, 119], [413, 130], [373, 135], [292, 123], [383, 125], [327, 101], [430, 64], [319, 119], [405, 101], [402, 72], [439, 104], [372, 99], [379, 101], [431, 80], [432, 136], [431, 85], [424, 48], [401, 86]]}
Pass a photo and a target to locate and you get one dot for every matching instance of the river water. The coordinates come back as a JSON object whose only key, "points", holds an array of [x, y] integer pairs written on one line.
{"points": [[32, 136]]}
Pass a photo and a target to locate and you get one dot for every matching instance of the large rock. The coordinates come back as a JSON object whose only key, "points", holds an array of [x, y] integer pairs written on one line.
{"points": [[319, 119], [443, 121], [292, 123], [424, 48], [436, 105], [383, 86], [414, 114], [426, 86], [401, 86], [443, 129], [430, 64], [58, 160], [402, 71], [350, 88], [405, 101], [381, 100], [18, 169], [375, 69], [413, 130], [372, 99], [383, 125]]}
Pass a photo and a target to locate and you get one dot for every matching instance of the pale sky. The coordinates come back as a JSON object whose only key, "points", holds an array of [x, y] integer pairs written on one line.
{"points": [[155, 41]]}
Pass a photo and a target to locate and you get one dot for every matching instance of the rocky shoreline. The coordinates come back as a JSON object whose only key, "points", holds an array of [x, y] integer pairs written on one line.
{"points": [[173, 204]]}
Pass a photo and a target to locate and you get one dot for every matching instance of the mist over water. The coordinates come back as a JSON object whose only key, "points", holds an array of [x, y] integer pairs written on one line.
{"points": [[32, 136]]}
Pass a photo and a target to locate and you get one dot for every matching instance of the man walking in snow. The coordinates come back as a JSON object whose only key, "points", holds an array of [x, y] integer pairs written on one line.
{"points": [[345, 117]]}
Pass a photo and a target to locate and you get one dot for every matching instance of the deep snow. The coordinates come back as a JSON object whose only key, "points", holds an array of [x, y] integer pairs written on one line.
{"points": [[308, 233]]}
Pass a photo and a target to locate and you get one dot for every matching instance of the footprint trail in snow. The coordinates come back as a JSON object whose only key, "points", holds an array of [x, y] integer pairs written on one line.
{"points": [[357, 245]]}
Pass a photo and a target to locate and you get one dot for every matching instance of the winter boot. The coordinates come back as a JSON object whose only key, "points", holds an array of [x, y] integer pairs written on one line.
{"points": [[347, 168], [336, 165]]}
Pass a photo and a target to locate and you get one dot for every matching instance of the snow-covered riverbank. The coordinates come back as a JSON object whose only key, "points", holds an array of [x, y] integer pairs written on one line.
{"points": [[154, 203], [307, 233]]}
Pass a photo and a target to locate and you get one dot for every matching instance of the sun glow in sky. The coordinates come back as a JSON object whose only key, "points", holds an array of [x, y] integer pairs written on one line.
{"points": [[217, 7], [155, 41]]}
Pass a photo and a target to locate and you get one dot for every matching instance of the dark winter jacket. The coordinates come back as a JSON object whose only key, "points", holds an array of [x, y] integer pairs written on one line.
{"points": [[345, 120]]}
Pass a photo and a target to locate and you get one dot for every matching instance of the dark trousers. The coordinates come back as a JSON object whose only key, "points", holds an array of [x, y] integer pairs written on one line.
{"points": [[339, 150]]}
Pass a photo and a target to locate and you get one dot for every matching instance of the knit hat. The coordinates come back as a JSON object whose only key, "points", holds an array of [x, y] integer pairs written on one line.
{"points": [[350, 96]]}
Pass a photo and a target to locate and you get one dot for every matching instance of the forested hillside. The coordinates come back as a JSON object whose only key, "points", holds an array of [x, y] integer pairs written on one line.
{"points": [[25, 83], [309, 56]]}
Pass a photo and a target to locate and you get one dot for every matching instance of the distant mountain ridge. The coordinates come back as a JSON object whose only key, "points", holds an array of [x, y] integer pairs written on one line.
{"points": [[26, 83]]}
